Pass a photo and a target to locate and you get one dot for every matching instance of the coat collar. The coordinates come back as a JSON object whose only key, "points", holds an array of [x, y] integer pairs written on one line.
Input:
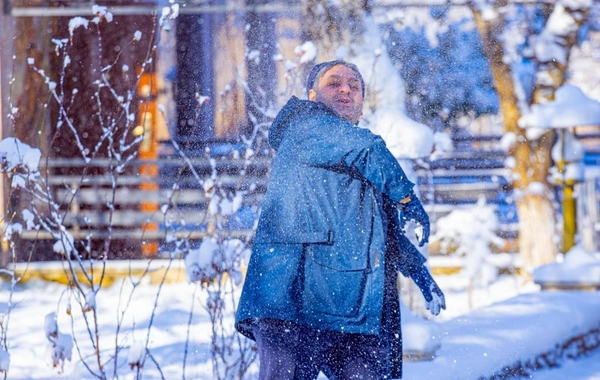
{"points": [[294, 109]]}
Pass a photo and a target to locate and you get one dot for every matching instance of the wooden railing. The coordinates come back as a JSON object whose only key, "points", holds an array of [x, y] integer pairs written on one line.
{"points": [[87, 200], [455, 179], [459, 178], [98, 205]]}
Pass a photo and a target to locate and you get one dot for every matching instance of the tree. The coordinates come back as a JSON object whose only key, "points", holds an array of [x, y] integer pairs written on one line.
{"points": [[550, 30], [333, 27], [446, 79]]}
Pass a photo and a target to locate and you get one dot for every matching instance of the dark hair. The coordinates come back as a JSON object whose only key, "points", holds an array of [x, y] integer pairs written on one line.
{"points": [[320, 69]]}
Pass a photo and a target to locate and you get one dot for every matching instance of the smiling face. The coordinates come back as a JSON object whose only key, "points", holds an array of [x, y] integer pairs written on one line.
{"points": [[340, 89]]}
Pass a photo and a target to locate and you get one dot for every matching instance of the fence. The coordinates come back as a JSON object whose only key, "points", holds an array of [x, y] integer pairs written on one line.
{"points": [[133, 209], [137, 211], [459, 178]]}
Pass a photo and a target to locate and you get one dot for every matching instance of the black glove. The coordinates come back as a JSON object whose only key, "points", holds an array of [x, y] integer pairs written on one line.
{"points": [[413, 210], [434, 297]]}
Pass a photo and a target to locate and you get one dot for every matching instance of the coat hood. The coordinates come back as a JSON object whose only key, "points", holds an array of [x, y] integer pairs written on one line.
{"points": [[294, 109]]}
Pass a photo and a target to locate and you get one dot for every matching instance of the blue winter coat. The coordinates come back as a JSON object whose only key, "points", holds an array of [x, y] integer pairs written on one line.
{"points": [[328, 245]]}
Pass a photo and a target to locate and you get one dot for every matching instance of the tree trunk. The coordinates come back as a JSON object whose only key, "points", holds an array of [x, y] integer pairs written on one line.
{"points": [[532, 159], [28, 92], [536, 231]]}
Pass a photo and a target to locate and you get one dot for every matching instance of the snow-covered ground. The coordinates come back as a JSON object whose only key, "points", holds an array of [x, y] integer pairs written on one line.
{"points": [[503, 327], [510, 334]]}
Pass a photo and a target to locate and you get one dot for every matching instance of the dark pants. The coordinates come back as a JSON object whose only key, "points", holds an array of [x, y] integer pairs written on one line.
{"points": [[291, 352]]}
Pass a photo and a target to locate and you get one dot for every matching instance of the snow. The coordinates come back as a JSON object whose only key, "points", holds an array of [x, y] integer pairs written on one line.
{"points": [[573, 150], [213, 258], [578, 267], [198, 261], [536, 188], [404, 137], [61, 345], [16, 153], [469, 233], [499, 335], [76, 22], [307, 52], [12, 228], [442, 143], [289, 65], [384, 85], [510, 162], [466, 344], [90, 301], [574, 172], [576, 4], [549, 45], [4, 361], [174, 11], [418, 334], [102, 13], [135, 354], [64, 243], [571, 108]]}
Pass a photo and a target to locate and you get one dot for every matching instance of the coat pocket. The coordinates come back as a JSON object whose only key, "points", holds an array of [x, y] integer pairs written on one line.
{"points": [[334, 284], [271, 288]]}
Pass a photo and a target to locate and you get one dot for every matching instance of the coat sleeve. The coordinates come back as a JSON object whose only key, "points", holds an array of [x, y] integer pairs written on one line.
{"points": [[410, 260], [331, 142], [405, 257]]}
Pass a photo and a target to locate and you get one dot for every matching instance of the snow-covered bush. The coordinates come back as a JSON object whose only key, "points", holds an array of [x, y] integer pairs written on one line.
{"points": [[216, 268], [38, 208], [470, 233]]}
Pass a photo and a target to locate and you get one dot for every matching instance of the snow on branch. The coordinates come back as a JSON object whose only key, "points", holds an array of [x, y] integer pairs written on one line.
{"points": [[15, 153], [61, 345], [550, 44]]}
